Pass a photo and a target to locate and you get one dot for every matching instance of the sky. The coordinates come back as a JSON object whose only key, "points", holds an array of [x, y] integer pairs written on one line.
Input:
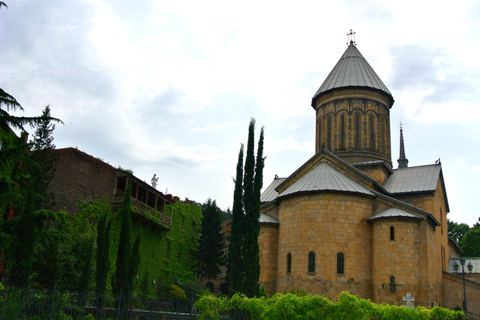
{"points": [[169, 87]]}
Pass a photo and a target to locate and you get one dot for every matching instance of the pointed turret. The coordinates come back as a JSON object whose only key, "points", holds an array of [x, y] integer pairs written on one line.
{"points": [[353, 111], [352, 70], [402, 161]]}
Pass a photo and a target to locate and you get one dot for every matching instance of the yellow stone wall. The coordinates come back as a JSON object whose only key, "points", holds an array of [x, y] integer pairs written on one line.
{"points": [[268, 243], [438, 251], [453, 287], [354, 124], [326, 224], [398, 258]]}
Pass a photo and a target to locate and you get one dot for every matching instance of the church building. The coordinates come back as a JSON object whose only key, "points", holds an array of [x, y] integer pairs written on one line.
{"points": [[347, 220]]}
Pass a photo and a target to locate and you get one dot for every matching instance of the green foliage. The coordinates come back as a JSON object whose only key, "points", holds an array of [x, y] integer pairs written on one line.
{"points": [[44, 160], [210, 250], [121, 281], [470, 243], [125, 169], [244, 261], [457, 231], [176, 292], [25, 231], [104, 228], [292, 306], [235, 270], [85, 280]]}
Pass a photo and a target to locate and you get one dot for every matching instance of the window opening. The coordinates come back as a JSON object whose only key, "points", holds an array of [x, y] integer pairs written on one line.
{"points": [[392, 285], [340, 263], [392, 233], [311, 262], [289, 263]]}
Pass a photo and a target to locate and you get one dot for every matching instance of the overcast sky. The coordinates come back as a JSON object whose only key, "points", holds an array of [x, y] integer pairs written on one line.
{"points": [[168, 87]]}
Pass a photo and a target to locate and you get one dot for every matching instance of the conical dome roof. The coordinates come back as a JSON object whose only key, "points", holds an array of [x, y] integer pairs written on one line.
{"points": [[352, 70]]}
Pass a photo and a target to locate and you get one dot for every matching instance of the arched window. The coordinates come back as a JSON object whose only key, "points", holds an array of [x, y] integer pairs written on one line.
{"points": [[329, 133], [340, 263], [320, 139], [311, 262], [382, 146], [342, 133], [289, 263], [392, 284], [357, 131], [392, 233], [372, 134]]}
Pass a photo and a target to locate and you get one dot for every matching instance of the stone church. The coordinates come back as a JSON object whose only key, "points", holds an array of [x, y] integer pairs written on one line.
{"points": [[347, 220]]}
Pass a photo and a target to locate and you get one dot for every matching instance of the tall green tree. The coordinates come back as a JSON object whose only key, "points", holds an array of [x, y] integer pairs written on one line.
{"points": [[44, 159], [126, 266], [85, 281], [470, 242], [104, 228], [120, 283], [245, 277], [235, 268], [456, 231], [24, 231], [210, 249]]}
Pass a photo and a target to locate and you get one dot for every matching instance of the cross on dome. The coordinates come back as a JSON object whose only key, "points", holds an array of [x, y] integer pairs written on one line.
{"points": [[351, 38]]}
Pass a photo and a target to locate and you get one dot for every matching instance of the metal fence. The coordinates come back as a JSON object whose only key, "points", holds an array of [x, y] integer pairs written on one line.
{"points": [[34, 304]]}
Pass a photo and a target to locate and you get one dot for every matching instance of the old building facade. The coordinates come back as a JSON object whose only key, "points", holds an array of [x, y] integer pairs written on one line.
{"points": [[346, 220]]}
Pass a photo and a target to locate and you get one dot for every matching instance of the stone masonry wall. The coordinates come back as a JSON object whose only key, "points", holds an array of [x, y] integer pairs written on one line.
{"points": [[326, 224], [398, 258], [268, 243], [80, 176], [453, 287]]}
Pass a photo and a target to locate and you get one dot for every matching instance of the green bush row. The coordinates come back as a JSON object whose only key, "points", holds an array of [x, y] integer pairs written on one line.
{"points": [[292, 306]]}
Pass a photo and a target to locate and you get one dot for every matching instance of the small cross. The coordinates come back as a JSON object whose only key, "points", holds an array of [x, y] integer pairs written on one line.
{"points": [[351, 37], [409, 299]]}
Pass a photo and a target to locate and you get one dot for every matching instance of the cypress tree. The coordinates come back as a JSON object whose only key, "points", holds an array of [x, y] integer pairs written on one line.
{"points": [[244, 261], [120, 278], [43, 166], [235, 275], [104, 228], [210, 249], [252, 190], [134, 263], [84, 284]]}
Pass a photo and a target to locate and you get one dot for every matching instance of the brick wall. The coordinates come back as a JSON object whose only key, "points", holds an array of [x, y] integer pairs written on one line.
{"points": [[80, 176]]}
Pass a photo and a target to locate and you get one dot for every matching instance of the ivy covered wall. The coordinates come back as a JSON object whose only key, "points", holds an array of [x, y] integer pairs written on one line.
{"points": [[166, 256]]}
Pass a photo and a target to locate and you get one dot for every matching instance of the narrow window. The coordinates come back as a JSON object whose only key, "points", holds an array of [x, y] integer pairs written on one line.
{"points": [[392, 285], [392, 233], [357, 131], [311, 262], [383, 136], [340, 263], [372, 134], [320, 139], [342, 142], [289, 263], [329, 134]]}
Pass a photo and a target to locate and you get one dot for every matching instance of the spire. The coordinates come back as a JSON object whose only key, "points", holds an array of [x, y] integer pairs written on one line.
{"points": [[402, 161]]}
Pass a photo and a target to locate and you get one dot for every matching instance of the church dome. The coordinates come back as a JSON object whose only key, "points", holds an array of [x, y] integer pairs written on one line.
{"points": [[352, 70]]}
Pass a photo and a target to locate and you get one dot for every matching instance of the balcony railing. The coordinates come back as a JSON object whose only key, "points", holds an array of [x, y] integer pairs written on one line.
{"points": [[145, 211]]}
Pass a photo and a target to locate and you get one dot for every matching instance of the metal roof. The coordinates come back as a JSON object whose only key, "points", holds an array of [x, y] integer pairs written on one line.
{"points": [[267, 219], [413, 179], [270, 193], [324, 177], [352, 70], [394, 213]]}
